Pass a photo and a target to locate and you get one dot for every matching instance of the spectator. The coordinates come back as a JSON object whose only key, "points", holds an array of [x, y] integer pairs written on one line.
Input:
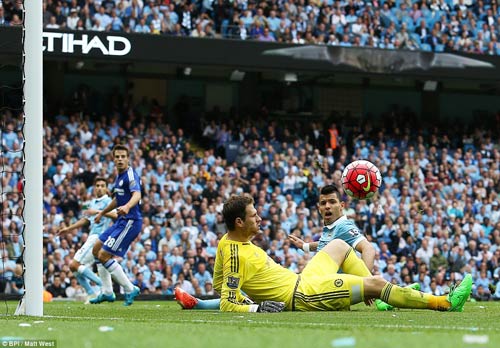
{"points": [[74, 290], [437, 261], [425, 252], [203, 275], [73, 19], [266, 36], [142, 27], [3, 20], [481, 294], [57, 288], [103, 18], [116, 23]]}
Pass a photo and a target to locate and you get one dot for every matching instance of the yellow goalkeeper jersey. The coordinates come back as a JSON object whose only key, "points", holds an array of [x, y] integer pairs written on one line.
{"points": [[245, 266]]}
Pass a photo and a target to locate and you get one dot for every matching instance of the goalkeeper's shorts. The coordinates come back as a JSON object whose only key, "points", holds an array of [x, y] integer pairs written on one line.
{"points": [[319, 289]]}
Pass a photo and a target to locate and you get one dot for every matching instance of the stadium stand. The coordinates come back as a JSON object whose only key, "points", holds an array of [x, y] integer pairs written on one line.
{"points": [[437, 25], [436, 216]]}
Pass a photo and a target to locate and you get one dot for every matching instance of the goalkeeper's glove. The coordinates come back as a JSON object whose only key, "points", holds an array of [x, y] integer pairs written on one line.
{"points": [[271, 307]]}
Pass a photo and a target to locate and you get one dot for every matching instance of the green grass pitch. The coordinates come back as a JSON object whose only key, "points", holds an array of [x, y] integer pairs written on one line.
{"points": [[164, 324]]}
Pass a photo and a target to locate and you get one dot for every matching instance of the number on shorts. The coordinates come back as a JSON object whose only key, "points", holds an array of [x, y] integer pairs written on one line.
{"points": [[109, 242]]}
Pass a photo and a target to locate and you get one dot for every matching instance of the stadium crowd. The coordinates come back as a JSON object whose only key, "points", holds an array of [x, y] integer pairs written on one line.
{"points": [[435, 25], [436, 216]]}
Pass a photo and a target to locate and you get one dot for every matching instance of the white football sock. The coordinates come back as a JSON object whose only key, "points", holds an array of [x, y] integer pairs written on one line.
{"points": [[119, 275], [107, 285]]}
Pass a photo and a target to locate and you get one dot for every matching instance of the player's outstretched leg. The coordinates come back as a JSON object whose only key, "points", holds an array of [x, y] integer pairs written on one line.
{"points": [[408, 298], [184, 299], [382, 306]]}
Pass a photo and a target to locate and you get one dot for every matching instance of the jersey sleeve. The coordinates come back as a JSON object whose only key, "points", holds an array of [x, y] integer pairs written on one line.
{"points": [[351, 234], [134, 181], [229, 276]]}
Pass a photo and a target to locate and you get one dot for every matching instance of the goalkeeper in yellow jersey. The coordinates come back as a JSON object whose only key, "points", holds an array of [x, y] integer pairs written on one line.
{"points": [[242, 266]]}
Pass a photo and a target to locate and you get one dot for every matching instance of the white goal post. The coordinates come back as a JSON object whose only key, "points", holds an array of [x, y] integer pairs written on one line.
{"points": [[33, 152]]}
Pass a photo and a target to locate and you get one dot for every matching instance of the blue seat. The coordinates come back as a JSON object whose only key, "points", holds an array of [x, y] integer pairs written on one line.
{"points": [[416, 41], [426, 47], [439, 14], [409, 23], [364, 38], [416, 38], [439, 48], [385, 21]]}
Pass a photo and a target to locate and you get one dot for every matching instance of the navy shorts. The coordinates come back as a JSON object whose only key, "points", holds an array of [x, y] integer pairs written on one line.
{"points": [[118, 237]]}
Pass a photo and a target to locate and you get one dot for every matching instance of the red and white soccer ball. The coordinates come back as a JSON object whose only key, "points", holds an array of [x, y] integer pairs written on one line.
{"points": [[361, 179]]}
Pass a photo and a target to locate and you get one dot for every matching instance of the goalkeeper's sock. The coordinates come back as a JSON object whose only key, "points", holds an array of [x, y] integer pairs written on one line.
{"points": [[87, 272], [208, 304], [354, 265], [107, 285], [408, 298], [119, 275], [83, 281]]}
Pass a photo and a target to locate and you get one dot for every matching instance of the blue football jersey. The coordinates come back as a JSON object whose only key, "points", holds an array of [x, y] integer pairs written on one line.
{"points": [[126, 183], [99, 204], [344, 229]]}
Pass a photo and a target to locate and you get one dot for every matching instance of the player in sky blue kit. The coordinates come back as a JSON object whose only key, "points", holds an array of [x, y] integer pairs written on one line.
{"points": [[116, 240], [337, 226], [84, 259]]}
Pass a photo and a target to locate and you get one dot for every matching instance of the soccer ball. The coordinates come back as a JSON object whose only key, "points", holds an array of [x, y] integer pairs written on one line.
{"points": [[361, 179]]}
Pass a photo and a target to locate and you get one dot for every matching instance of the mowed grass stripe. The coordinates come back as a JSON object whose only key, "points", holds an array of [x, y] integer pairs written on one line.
{"points": [[253, 321], [164, 324]]}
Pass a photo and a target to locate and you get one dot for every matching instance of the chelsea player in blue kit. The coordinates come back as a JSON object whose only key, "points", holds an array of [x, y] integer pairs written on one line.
{"points": [[116, 240], [83, 260]]}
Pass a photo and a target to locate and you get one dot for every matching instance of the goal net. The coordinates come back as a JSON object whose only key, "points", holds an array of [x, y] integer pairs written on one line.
{"points": [[21, 161]]}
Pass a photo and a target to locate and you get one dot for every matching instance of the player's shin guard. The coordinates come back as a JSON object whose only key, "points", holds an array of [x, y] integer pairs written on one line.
{"points": [[119, 275], [408, 298], [354, 265], [107, 285]]}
